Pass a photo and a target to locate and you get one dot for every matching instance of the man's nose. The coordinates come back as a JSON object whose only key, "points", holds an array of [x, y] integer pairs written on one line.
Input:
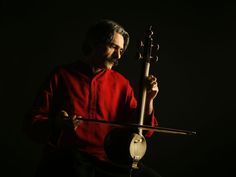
{"points": [[117, 54]]}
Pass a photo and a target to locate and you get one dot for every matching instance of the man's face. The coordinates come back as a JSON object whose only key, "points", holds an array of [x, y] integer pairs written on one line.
{"points": [[107, 56]]}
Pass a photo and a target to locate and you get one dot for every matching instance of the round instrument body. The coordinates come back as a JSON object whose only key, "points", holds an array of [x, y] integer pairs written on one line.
{"points": [[125, 147]]}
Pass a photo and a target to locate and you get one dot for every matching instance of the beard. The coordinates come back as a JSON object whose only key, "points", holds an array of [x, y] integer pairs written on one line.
{"points": [[113, 60]]}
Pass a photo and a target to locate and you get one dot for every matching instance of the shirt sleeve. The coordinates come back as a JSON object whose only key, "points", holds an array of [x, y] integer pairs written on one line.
{"points": [[153, 123], [37, 123]]}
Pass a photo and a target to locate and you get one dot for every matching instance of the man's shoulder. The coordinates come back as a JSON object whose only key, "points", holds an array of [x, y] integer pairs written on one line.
{"points": [[118, 75], [119, 78], [69, 66]]}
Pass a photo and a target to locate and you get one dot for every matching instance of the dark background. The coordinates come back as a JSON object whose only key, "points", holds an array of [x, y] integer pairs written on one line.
{"points": [[196, 75]]}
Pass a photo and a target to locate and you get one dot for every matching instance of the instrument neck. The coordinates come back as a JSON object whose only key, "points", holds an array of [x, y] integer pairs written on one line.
{"points": [[143, 95]]}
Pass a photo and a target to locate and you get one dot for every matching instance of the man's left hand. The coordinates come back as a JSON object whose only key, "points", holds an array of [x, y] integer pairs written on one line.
{"points": [[152, 87]]}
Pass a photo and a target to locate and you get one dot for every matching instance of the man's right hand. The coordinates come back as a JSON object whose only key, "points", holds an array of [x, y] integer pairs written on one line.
{"points": [[68, 121]]}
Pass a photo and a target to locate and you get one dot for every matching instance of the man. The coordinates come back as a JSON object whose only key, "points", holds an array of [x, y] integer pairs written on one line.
{"points": [[89, 89]]}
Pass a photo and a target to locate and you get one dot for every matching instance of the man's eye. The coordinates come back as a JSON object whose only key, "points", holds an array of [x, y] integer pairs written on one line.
{"points": [[113, 46]]}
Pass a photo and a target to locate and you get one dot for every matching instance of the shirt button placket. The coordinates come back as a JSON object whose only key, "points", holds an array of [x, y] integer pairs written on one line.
{"points": [[93, 98]]}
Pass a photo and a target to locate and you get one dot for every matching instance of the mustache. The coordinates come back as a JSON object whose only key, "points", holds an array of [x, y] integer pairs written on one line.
{"points": [[114, 60]]}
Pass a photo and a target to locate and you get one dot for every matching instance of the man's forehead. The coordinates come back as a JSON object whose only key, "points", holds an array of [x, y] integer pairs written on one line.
{"points": [[118, 40]]}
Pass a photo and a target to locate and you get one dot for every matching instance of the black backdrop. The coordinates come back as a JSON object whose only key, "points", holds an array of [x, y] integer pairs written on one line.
{"points": [[195, 70]]}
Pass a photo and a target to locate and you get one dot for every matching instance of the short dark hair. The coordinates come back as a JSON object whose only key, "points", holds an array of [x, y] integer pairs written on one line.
{"points": [[102, 32]]}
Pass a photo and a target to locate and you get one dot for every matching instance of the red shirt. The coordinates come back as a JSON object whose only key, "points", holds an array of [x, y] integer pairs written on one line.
{"points": [[107, 95]]}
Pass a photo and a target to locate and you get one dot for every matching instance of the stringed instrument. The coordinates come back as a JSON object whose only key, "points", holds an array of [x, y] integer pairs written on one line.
{"points": [[130, 143]]}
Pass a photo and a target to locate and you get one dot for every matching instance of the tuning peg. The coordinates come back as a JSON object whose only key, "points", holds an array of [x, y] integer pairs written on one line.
{"points": [[150, 30], [155, 59], [139, 55], [140, 47], [140, 44], [155, 47]]}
